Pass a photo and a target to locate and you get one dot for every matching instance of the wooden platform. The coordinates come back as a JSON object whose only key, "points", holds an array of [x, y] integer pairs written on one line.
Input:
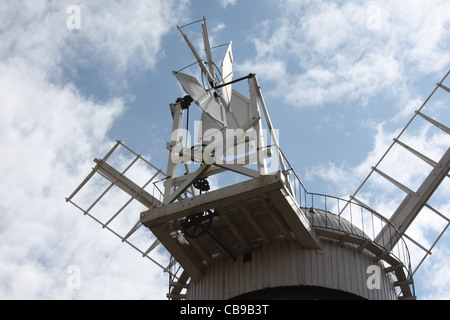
{"points": [[245, 216]]}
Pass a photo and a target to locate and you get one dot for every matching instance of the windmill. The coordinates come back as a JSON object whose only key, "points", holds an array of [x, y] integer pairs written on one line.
{"points": [[259, 233]]}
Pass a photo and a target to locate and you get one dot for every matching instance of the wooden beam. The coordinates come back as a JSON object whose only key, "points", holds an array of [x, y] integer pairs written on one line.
{"points": [[411, 206], [233, 228], [195, 245], [211, 200], [240, 169], [277, 219], [126, 184], [183, 280], [249, 216], [183, 254], [186, 184], [295, 218]]}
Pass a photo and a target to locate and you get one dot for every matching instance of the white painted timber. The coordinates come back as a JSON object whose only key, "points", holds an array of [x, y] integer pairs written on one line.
{"points": [[251, 214], [287, 265], [412, 205]]}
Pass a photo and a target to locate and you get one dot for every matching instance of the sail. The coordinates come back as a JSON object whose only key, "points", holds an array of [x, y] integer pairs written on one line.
{"points": [[227, 74], [202, 98]]}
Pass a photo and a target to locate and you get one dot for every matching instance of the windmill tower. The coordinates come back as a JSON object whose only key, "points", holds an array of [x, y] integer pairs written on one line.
{"points": [[258, 232]]}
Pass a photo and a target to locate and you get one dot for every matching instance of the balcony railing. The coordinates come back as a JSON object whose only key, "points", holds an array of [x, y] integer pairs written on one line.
{"points": [[348, 216]]}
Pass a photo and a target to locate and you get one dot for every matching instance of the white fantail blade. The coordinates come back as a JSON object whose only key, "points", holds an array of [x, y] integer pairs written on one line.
{"points": [[208, 49], [240, 110], [239, 116], [210, 132], [227, 73], [197, 57], [202, 98]]}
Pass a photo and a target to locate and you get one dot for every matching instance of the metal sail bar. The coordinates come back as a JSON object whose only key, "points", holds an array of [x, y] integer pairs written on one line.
{"points": [[128, 228], [415, 200]]}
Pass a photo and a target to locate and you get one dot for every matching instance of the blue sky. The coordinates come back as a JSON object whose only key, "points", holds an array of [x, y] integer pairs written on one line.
{"points": [[340, 79]]}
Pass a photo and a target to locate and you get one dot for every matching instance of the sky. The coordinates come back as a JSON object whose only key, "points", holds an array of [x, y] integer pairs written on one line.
{"points": [[340, 78]]}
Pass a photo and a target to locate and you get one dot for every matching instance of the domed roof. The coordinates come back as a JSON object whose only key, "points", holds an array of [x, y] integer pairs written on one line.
{"points": [[324, 219]]}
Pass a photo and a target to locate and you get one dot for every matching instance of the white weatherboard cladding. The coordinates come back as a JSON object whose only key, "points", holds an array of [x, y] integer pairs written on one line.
{"points": [[283, 265]]}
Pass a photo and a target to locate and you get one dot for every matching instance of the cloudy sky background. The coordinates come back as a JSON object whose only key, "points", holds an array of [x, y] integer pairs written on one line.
{"points": [[340, 78]]}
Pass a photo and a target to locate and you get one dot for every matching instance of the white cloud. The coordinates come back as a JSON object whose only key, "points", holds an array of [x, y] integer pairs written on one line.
{"points": [[221, 26], [126, 38], [49, 133], [350, 50], [437, 275], [226, 3]]}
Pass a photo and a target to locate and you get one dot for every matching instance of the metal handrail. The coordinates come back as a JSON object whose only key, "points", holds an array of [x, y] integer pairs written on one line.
{"points": [[363, 220]]}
